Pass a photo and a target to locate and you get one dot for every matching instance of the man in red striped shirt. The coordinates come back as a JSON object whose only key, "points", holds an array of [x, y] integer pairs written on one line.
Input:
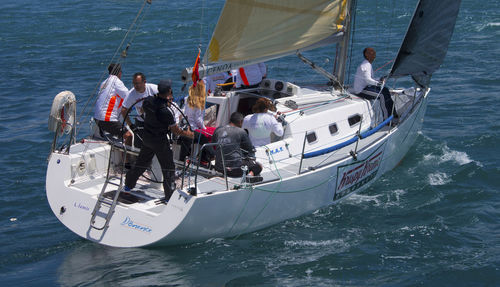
{"points": [[250, 76], [111, 95]]}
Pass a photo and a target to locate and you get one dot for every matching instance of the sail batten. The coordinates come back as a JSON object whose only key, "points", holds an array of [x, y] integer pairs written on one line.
{"points": [[426, 41], [259, 29]]}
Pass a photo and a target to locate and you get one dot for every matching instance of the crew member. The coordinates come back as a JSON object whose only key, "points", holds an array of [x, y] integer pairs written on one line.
{"points": [[260, 124], [365, 86], [111, 95], [141, 90], [158, 122], [237, 150], [250, 76], [194, 110]]}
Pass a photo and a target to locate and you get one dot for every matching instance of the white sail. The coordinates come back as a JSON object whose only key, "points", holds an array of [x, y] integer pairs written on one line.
{"points": [[427, 39], [261, 29]]}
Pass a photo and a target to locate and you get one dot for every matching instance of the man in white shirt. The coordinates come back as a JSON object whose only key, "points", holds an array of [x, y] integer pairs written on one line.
{"points": [[141, 90], [365, 86], [364, 73], [111, 95], [250, 76], [261, 123]]}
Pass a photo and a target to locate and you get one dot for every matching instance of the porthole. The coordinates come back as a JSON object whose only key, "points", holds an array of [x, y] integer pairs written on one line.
{"points": [[311, 137], [354, 120], [333, 129]]}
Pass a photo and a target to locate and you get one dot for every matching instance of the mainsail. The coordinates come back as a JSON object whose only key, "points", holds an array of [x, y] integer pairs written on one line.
{"points": [[250, 31], [426, 42]]}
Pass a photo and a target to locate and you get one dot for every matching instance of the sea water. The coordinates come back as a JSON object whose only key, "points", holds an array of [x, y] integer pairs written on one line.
{"points": [[432, 221]]}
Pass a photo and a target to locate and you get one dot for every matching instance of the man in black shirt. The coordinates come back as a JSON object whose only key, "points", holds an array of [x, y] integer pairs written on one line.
{"points": [[158, 121], [237, 149]]}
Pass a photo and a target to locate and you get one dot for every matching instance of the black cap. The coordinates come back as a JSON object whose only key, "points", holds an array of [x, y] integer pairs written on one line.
{"points": [[164, 86]]}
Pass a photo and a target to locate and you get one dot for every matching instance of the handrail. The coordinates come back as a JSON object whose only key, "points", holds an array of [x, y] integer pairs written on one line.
{"points": [[375, 129], [347, 142]]}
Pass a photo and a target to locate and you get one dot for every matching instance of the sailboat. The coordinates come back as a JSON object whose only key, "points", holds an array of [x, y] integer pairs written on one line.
{"points": [[334, 144]]}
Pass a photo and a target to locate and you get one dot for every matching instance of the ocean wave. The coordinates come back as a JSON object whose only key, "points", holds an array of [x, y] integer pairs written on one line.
{"points": [[438, 178], [362, 198], [396, 257], [448, 155], [114, 28], [481, 27], [404, 15], [310, 243], [394, 197]]}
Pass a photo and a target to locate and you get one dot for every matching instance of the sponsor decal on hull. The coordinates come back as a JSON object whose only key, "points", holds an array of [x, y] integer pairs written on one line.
{"points": [[351, 177]]}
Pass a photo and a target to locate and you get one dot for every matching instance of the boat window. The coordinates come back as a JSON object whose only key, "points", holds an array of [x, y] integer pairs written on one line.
{"points": [[333, 129], [311, 137], [354, 120]]}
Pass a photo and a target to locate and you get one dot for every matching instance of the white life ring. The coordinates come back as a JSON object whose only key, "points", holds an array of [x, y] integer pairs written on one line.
{"points": [[62, 113]]}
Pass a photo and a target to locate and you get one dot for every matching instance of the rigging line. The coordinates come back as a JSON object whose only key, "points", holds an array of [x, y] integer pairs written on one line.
{"points": [[241, 212], [94, 94], [246, 202], [353, 31], [298, 190], [298, 110], [268, 200], [201, 20], [384, 65], [143, 16], [391, 23]]}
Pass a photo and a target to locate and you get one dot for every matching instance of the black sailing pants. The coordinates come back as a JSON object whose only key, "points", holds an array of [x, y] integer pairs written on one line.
{"points": [[165, 156]]}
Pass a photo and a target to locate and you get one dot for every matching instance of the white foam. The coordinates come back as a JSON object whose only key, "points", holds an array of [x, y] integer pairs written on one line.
{"points": [[114, 28], [438, 178], [309, 243], [481, 27], [361, 198], [448, 155], [457, 156], [404, 15], [390, 197], [397, 257]]}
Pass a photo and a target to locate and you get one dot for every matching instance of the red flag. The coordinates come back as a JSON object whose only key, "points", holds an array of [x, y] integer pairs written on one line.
{"points": [[196, 75]]}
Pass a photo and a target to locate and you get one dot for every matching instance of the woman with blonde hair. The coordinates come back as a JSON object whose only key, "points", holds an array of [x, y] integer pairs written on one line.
{"points": [[194, 110], [195, 106]]}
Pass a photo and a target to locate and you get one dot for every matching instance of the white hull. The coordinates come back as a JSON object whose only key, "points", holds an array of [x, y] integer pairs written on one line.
{"points": [[224, 213]]}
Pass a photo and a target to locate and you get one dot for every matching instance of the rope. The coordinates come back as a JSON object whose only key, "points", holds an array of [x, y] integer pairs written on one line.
{"points": [[94, 92], [384, 65], [265, 205]]}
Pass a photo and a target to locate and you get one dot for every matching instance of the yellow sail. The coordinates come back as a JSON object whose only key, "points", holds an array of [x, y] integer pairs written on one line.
{"points": [[258, 29]]}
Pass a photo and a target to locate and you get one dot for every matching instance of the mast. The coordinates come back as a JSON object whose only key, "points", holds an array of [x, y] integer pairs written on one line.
{"points": [[341, 57]]}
